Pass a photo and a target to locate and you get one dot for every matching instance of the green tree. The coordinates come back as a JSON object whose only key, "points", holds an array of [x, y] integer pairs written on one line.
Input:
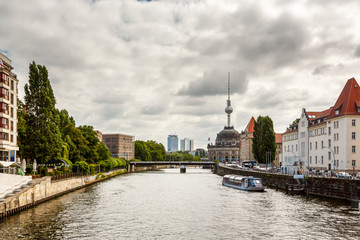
{"points": [[263, 139], [91, 154], [42, 138], [157, 151], [21, 127], [103, 151], [142, 151]]}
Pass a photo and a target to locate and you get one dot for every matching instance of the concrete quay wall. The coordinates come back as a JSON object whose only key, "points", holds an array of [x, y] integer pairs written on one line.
{"points": [[347, 189], [44, 189]]}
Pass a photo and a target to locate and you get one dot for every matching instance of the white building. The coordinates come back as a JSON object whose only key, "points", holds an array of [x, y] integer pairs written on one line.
{"points": [[327, 139], [185, 145]]}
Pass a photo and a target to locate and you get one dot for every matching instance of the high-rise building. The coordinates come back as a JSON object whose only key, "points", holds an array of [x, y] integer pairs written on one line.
{"points": [[192, 145], [173, 143], [120, 145], [8, 110], [187, 145]]}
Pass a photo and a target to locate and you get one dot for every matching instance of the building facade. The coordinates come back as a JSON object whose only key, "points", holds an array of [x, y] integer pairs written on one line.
{"points": [[120, 145], [173, 143], [327, 140], [8, 110], [246, 138], [278, 153]]}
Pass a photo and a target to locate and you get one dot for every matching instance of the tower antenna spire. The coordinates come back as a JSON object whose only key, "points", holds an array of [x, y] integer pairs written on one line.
{"points": [[228, 108], [228, 85]]}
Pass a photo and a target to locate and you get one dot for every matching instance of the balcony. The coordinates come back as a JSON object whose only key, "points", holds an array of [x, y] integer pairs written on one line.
{"points": [[4, 96], [2, 125]]}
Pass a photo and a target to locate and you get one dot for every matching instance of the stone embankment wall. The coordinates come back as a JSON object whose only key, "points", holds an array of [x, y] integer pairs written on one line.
{"points": [[44, 189], [348, 189]]}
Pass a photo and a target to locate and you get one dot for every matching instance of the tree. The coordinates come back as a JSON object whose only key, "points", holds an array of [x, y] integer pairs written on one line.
{"points": [[21, 126], [142, 151], [263, 139], [157, 151], [91, 154], [42, 138]]}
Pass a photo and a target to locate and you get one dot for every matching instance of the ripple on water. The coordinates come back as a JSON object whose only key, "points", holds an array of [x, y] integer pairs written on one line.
{"points": [[169, 205]]}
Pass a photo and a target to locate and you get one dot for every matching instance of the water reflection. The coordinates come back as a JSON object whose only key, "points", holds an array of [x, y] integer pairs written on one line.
{"points": [[170, 205]]}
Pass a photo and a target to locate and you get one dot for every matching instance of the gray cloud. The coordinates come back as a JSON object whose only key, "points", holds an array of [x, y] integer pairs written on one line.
{"points": [[149, 69], [215, 83], [357, 51]]}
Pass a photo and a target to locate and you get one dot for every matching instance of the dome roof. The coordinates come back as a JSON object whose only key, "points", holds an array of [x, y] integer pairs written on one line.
{"points": [[228, 133]]}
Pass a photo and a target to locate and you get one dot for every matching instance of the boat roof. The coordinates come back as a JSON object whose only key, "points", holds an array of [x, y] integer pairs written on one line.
{"points": [[239, 177]]}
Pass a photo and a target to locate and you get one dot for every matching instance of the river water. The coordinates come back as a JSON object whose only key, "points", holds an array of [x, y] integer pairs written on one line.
{"points": [[168, 205]]}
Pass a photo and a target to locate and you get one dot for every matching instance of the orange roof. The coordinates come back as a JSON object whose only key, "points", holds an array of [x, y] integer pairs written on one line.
{"points": [[349, 97], [250, 127], [278, 138]]}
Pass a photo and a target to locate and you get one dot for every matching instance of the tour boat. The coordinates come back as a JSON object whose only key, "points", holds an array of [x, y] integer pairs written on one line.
{"points": [[243, 183]]}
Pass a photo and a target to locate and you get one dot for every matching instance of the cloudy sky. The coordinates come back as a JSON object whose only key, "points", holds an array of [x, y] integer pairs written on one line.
{"points": [[153, 68]]}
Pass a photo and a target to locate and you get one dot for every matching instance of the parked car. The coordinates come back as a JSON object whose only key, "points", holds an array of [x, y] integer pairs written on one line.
{"points": [[343, 175], [358, 175]]}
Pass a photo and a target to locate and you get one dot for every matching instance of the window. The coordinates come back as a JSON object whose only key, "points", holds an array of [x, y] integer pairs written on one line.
{"points": [[329, 156], [353, 135], [11, 138], [315, 159], [353, 163], [322, 160], [322, 144], [11, 112], [302, 134], [329, 143], [12, 85], [336, 124], [12, 98], [296, 147], [315, 145], [353, 149], [353, 122], [310, 146], [337, 112], [310, 160], [329, 130]]}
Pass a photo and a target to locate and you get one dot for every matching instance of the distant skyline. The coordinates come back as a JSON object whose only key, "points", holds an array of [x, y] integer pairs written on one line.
{"points": [[154, 68]]}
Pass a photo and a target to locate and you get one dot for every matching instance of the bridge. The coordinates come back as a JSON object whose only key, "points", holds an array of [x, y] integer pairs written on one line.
{"points": [[132, 165]]}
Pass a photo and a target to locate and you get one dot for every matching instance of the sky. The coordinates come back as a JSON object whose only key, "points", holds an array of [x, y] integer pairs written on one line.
{"points": [[154, 68]]}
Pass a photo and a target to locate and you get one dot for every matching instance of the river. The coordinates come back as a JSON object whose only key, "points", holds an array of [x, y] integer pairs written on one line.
{"points": [[168, 205]]}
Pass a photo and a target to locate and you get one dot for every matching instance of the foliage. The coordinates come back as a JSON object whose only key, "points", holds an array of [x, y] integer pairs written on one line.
{"points": [[100, 175], [181, 156], [200, 153], [149, 151], [42, 138], [263, 139], [81, 166]]}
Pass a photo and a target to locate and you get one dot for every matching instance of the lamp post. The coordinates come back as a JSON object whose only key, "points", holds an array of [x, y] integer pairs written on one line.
{"points": [[334, 157]]}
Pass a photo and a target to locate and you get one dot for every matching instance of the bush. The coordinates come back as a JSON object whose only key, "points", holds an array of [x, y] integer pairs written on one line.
{"points": [[100, 175], [81, 166], [93, 168]]}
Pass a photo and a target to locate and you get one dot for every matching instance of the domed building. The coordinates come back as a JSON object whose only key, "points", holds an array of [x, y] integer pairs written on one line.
{"points": [[227, 144]]}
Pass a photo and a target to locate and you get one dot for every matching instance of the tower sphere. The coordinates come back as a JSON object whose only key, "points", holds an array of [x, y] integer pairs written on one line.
{"points": [[229, 109]]}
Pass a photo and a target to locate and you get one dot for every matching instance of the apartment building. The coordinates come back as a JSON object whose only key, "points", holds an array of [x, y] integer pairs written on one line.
{"points": [[326, 140], [120, 145], [8, 110]]}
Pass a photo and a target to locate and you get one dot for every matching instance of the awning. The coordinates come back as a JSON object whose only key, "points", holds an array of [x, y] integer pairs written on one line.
{"points": [[9, 164]]}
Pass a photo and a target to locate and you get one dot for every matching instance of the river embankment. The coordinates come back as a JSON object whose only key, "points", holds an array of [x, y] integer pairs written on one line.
{"points": [[46, 188], [339, 188]]}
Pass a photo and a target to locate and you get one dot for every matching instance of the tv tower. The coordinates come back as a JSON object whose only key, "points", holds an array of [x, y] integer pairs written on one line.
{"points": [[228, 108]]}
